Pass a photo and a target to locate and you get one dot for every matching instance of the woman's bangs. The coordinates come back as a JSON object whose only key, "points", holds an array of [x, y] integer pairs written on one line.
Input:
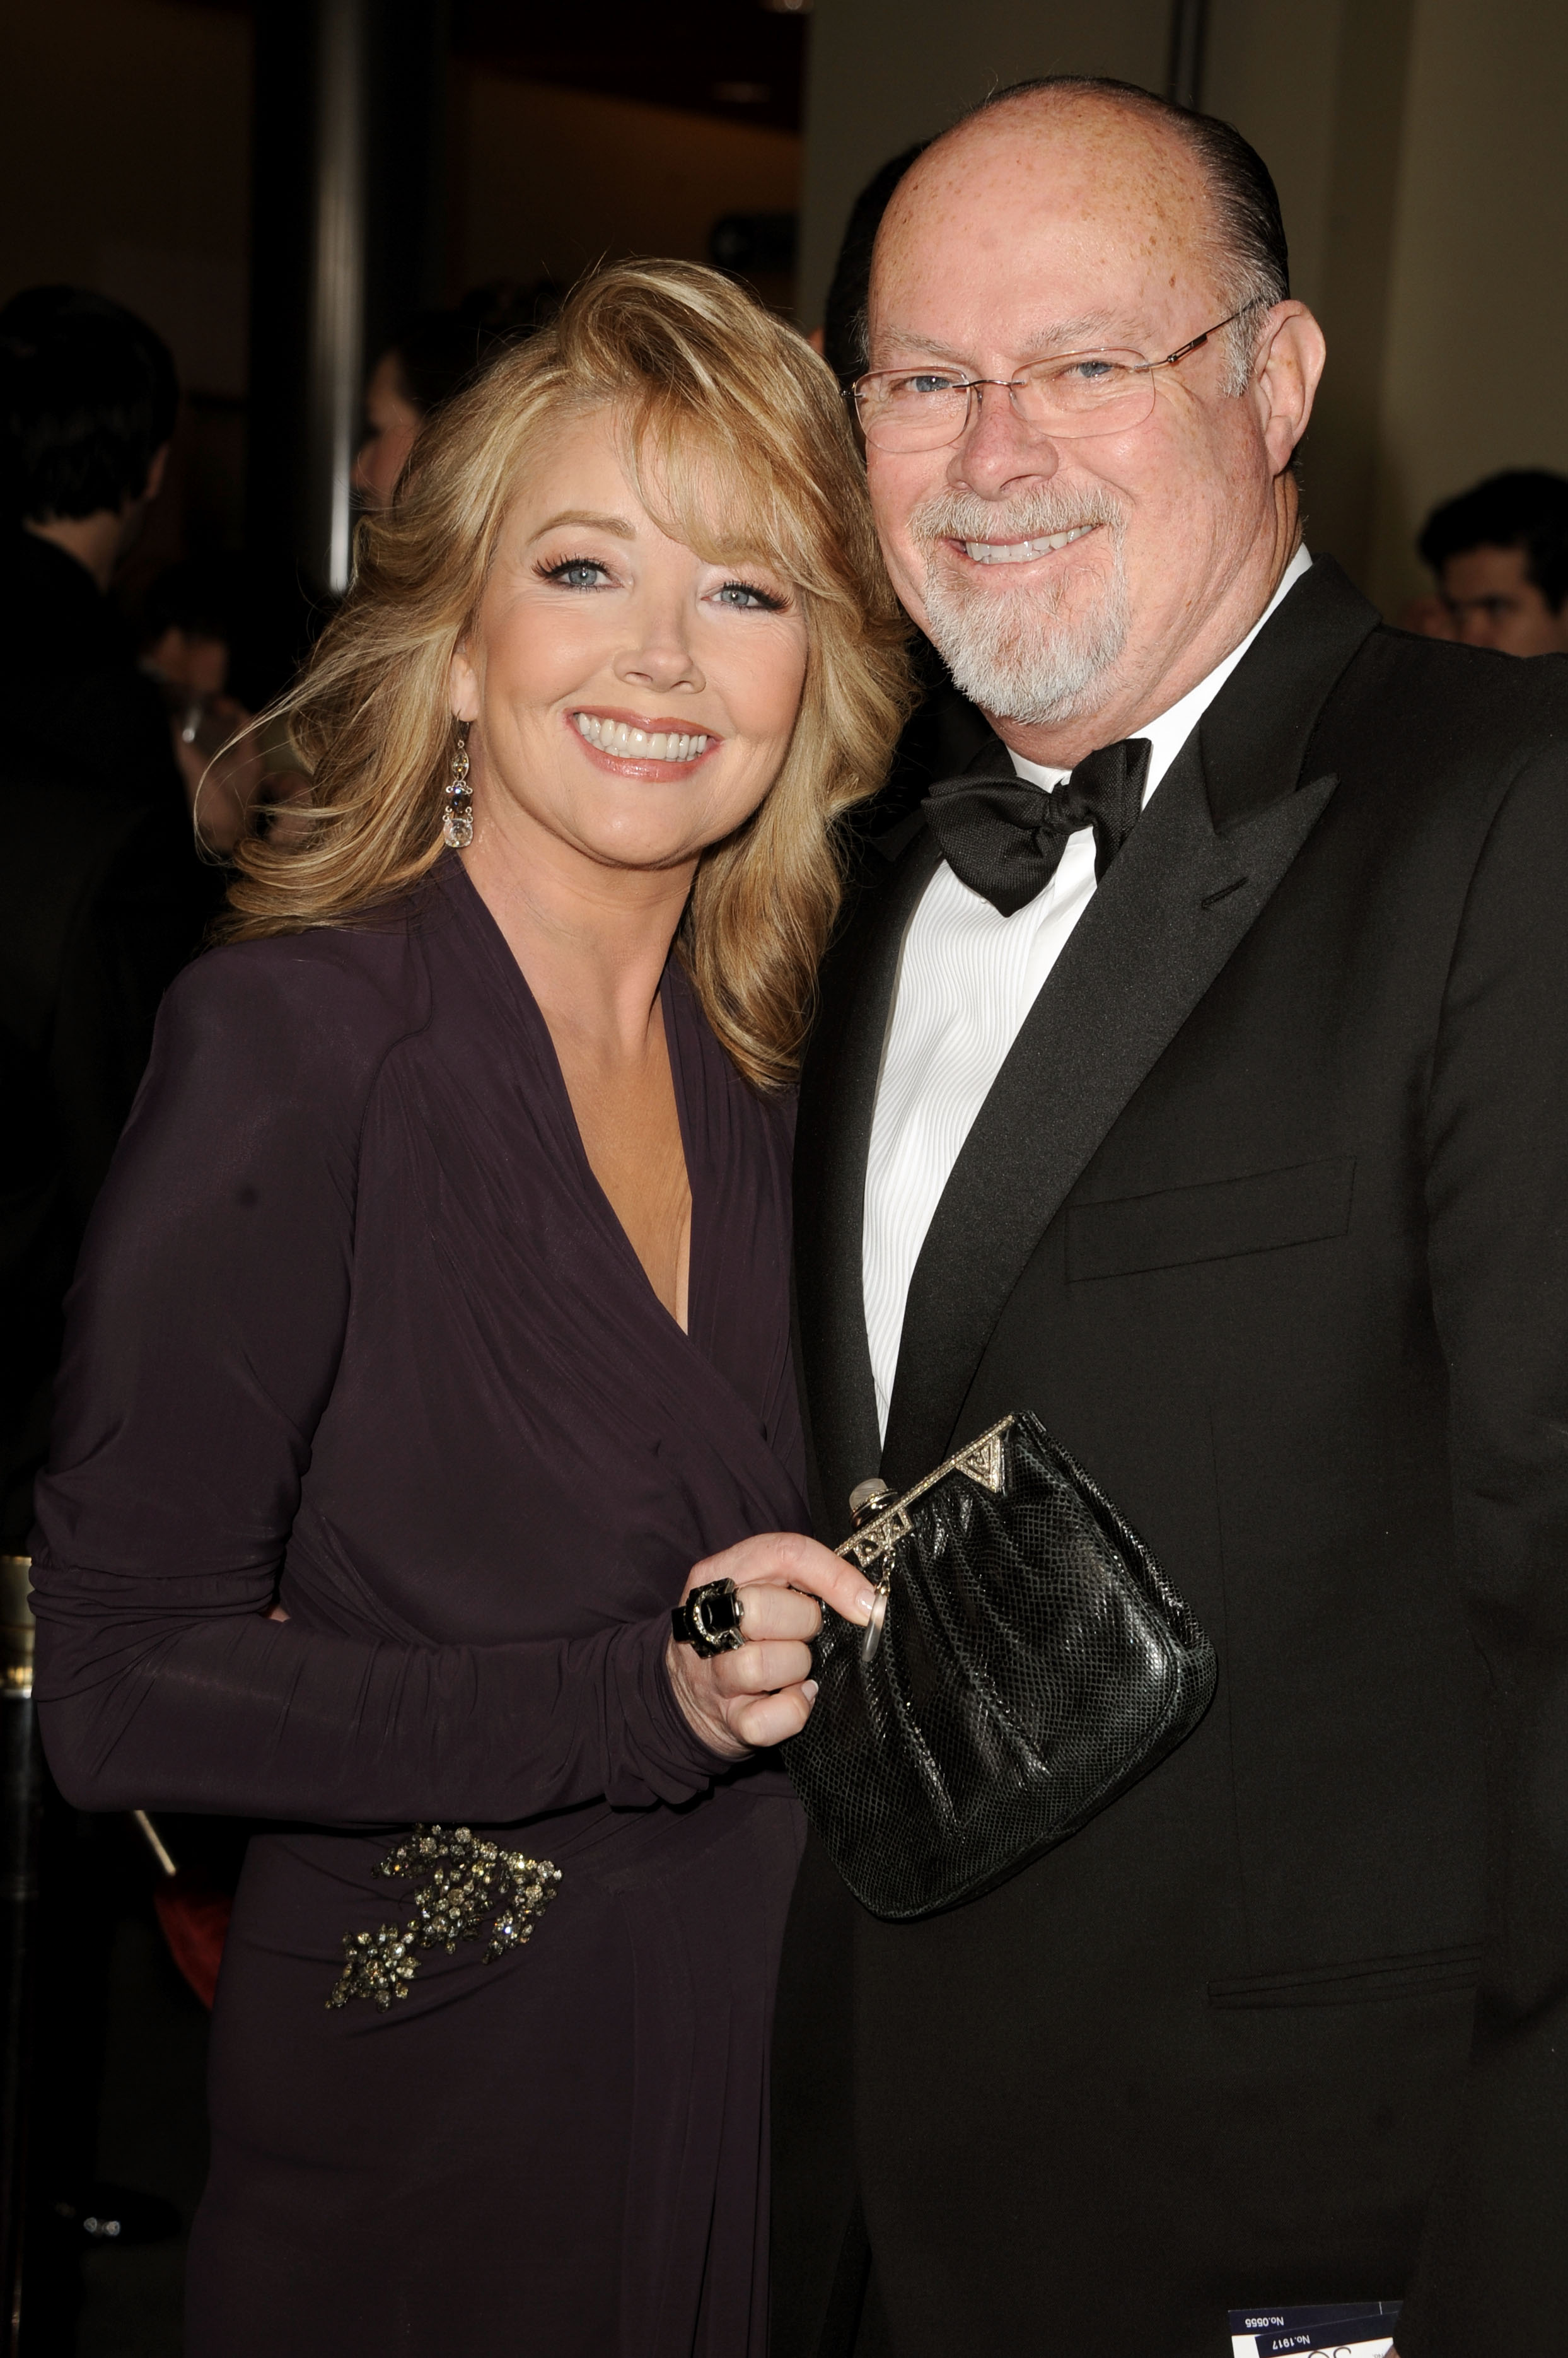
{"points": [[720, 494]]}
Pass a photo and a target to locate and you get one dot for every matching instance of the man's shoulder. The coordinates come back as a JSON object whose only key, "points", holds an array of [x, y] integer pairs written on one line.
{"points": [[55, 823], [53, 613], [1451, 709]]}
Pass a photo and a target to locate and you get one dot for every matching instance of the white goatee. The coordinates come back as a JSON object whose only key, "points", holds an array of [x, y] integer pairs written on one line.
{"points": [[1029, 655]]}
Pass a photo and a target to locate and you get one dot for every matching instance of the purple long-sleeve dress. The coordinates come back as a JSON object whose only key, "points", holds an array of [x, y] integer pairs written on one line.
{"points": [[356, 1324]]}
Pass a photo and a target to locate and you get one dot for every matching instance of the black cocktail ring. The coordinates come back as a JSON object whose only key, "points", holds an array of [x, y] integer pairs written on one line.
{"points": [[709, 1620]]}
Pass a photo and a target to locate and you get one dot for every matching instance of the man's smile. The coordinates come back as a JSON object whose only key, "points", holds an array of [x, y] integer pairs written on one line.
{"points": [[1021, 552]]}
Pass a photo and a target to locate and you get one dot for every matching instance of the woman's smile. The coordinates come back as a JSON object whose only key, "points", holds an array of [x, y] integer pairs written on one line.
{"points": [[639, 745]]}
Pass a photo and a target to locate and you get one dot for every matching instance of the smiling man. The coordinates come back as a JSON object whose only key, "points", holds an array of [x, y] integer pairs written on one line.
{"points": [[1193, 1073]]}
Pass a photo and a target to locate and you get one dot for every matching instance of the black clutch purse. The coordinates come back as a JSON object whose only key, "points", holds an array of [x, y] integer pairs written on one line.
{"points": [[1026, 1662]]}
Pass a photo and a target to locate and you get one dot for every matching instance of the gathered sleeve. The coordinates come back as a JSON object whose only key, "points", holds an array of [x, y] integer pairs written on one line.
{"points": [[204, 1335]]}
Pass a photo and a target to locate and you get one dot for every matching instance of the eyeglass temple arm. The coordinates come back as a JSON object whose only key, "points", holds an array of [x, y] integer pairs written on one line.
{"points": [[1182, 350]]}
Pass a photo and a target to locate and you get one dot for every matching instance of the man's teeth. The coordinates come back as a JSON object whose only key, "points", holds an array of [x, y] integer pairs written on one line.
{"points": [[629, 744], [1019, 552]]}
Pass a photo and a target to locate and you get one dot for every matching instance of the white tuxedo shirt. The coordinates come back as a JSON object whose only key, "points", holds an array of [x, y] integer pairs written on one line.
{"points": [[967, 978]]}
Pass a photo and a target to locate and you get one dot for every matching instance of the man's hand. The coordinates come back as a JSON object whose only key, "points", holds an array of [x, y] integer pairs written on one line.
{"points": [[223, 771], [762, 1691]]}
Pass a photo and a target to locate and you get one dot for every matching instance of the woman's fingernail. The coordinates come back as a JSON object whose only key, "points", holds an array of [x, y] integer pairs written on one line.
{"points": [[808, 1689]]}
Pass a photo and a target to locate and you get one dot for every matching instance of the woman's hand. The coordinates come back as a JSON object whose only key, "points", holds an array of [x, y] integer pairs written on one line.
{"points": [[762, 1691]]}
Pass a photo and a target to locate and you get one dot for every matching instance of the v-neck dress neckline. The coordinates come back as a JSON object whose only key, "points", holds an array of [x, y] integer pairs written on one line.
{"points": [[676, 1005]]}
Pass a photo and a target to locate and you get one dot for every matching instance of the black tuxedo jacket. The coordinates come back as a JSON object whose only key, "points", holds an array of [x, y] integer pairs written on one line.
{"points": [[1267, 1216]]}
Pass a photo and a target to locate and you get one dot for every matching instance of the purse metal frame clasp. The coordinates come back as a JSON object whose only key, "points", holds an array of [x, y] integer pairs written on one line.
{"points": [[873, 1547]]}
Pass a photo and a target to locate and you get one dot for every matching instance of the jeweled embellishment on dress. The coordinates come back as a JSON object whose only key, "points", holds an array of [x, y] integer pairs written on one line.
{"points": [[473, 1887]]}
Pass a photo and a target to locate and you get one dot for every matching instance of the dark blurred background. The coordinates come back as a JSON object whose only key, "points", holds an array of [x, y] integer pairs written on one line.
{"points": [[277, 187]]}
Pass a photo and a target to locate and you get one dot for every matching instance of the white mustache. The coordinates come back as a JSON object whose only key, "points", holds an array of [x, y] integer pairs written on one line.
{"points": [[1043, 514]]}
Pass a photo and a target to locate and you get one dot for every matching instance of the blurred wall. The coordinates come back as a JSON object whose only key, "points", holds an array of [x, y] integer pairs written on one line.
{"points": [[883, 73], [1417, 146], [544, 180], [125, 164], [1476, 370], [1321, 88]]}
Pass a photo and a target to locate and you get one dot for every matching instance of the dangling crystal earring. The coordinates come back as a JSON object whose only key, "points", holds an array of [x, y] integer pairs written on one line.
{"points": [[457, 825]]}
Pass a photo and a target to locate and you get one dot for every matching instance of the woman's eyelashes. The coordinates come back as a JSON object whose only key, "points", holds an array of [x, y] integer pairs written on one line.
{"points": [[594, 573], [575, 572], [749, 594]]}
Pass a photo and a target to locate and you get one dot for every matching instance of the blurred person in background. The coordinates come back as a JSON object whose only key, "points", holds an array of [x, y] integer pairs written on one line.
{"points": [[1500, 556], [195, 623], [188, 626], [102, 897], [101, 900], [86, 414], [428, 361]]}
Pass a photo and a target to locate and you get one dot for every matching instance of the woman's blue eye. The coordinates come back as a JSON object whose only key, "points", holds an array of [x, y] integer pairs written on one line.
{"points": [[741, 593], [577, 573]]}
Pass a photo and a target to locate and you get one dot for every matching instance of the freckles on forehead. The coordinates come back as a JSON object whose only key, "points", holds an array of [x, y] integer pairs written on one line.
{"points": [[1040, 214]]}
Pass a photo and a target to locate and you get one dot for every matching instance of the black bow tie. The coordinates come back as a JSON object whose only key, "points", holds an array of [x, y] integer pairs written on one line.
{"points": [[1004, 837]]}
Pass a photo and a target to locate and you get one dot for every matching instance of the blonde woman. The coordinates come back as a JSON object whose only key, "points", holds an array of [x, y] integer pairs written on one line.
{"points": [[432, 1341]]}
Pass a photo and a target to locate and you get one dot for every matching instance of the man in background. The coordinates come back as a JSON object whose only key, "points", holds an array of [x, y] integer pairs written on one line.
{"points": [[101, 896], [1500, 554], [86, 414], [101, 900]]}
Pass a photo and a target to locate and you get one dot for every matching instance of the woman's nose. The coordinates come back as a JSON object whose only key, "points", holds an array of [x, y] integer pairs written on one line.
{"points": [[660, 658]]}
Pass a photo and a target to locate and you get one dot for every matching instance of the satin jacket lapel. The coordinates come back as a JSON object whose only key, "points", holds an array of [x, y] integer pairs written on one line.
{"points": [[1211, 849], [833, 1137]]}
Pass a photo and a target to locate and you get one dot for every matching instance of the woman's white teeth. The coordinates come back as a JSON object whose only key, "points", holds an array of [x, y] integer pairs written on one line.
{"points": [[630, 744], [1019, 552]]}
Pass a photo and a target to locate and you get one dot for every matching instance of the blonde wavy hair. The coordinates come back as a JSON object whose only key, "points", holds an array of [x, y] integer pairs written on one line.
{"points": [[741, 432]]}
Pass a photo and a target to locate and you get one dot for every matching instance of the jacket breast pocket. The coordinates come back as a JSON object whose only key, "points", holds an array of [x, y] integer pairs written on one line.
{"points": [[1256, 1213], [1430, 1973]]}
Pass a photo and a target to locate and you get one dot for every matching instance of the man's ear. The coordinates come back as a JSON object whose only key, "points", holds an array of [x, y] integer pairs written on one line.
{"points": [[1286, 376], [155, 470], [463, 683]]}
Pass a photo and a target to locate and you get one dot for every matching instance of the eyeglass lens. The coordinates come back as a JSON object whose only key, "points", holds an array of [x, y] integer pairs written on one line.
{"points": [[1083, 393]]}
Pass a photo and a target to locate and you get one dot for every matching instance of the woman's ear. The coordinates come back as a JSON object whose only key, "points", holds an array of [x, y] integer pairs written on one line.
{"points": [[462, 684]]}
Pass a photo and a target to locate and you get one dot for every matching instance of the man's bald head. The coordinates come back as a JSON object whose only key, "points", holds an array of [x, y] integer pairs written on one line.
{"points": [[1194, 177]]}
